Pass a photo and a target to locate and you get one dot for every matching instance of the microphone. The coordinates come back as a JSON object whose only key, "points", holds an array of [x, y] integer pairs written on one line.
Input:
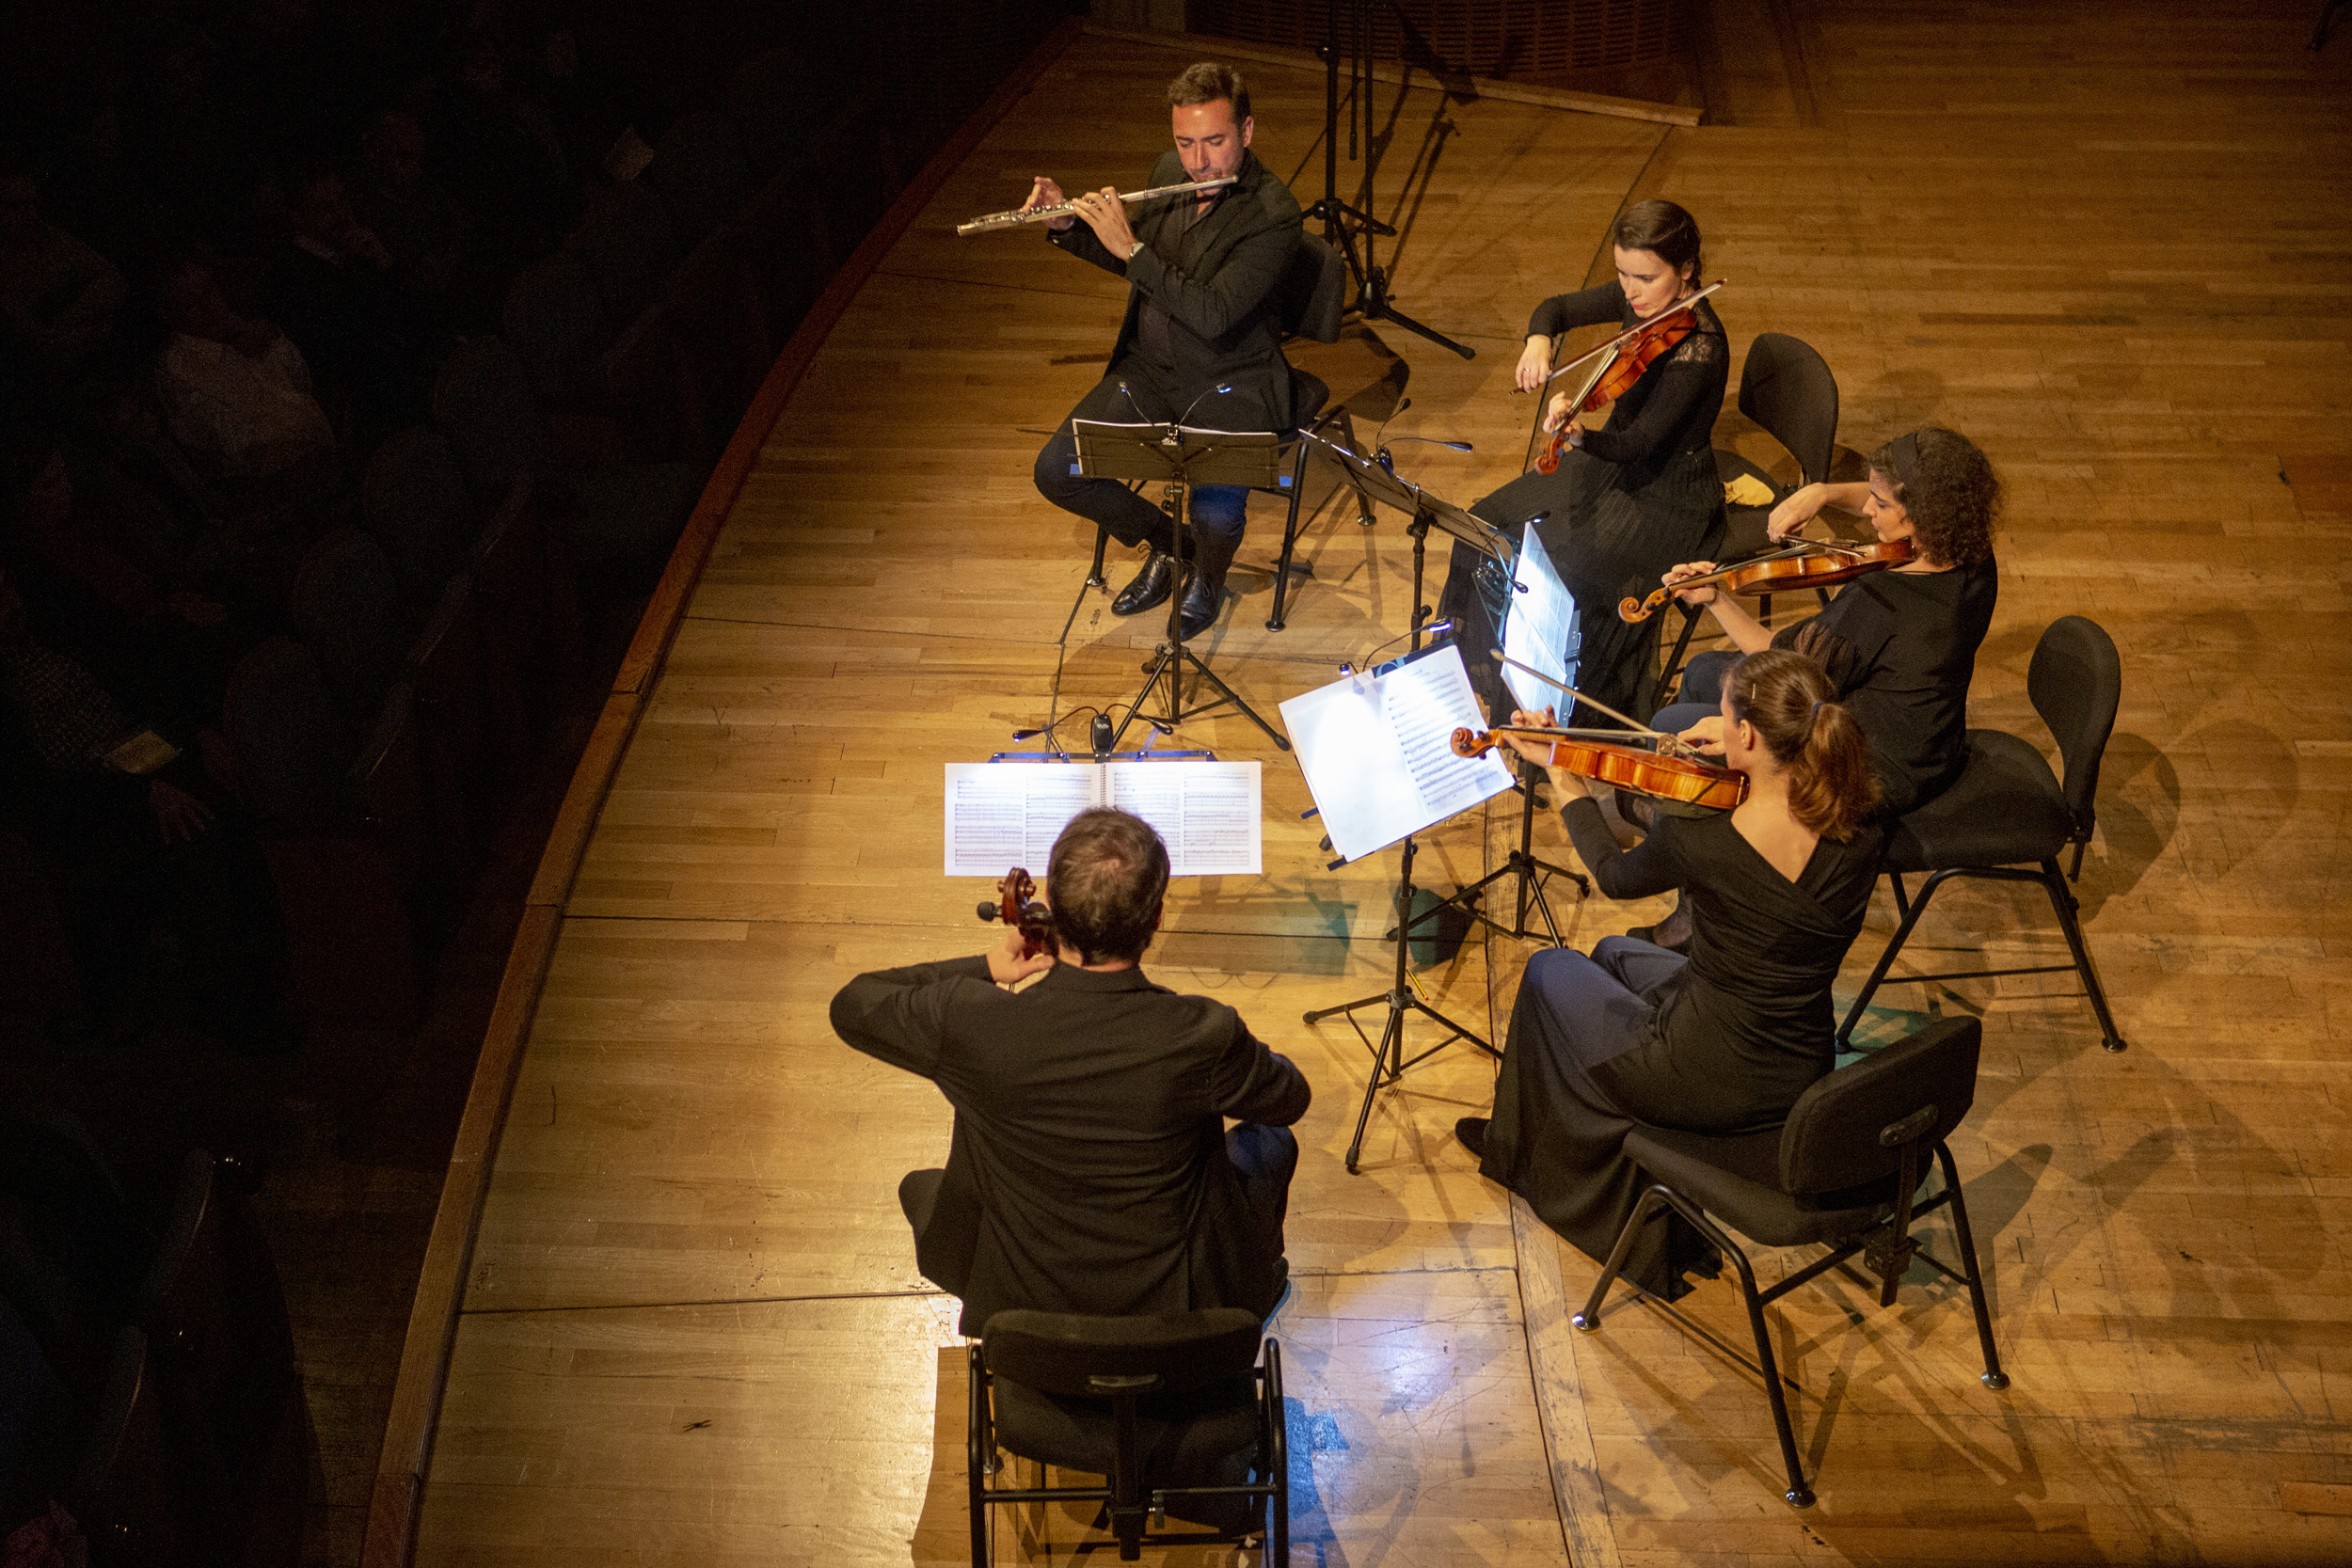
{"points": [[1128, 392], [1436, 441], [1402, 404]]}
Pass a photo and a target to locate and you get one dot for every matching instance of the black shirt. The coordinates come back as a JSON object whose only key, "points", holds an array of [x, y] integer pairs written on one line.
{"points": [[1747, 1025], [1911, 641], [1672, 408]]}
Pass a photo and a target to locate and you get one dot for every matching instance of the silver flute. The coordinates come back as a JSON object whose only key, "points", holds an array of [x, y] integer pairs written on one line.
{"points": [[1020, 216]]}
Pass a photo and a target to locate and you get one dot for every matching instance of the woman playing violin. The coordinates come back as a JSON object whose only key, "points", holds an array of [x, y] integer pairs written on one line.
{"points": [[1724, 1040], [1902, 644], [1635, 495]]}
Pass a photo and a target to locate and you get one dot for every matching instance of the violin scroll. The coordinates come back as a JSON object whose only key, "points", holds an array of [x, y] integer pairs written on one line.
{"points": [[1017, 905]]}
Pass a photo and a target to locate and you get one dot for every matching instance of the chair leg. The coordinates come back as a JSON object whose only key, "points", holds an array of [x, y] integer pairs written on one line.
{"points": [[1101, 543], [1886, 960], [1974, 1279], [2062, 900], [979, 1442], [1653, 1200], [1290, 535], [1799, 1495], [1278, 1461], [1902, 897]]}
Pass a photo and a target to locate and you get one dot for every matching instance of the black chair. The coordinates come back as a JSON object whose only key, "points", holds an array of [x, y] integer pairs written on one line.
{"points": [[1844, 1172], [2007, 817], [1162, 1407], [1785, 387], [1313, 303]]}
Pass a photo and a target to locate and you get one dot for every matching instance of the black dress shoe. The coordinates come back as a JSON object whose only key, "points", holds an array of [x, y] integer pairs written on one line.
{"points": [[1471, 1132], [1203, 601], [1151, 586]]}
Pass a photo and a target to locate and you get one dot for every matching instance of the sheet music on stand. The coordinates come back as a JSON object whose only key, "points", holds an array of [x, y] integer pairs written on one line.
{"points": [[1001, 815], [1378, 750], [1539, 629]]}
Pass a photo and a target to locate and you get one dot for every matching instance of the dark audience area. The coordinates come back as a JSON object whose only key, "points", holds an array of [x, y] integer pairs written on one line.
{"points": [[359, 366]]}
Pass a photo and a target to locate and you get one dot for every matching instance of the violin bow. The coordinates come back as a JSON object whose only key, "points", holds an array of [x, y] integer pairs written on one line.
{"points": [[1630, 333], [1640, 728]]}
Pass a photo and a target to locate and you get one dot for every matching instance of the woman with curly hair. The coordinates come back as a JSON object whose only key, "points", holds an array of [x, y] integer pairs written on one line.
{"points": [[1902, 644], [1723, 1041]]}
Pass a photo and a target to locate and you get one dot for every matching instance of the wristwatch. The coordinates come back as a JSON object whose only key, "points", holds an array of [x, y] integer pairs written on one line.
{"points": [[1137, 251]]}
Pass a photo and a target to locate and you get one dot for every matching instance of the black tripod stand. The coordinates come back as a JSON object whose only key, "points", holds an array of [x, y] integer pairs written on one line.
{"points": [[1343, 226], [1389, 1060], [1180, 457]]}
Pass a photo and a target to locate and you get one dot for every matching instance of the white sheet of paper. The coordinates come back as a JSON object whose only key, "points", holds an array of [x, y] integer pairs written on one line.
{"points": [[1003, 814], [1379, 755], [1539, 629]]}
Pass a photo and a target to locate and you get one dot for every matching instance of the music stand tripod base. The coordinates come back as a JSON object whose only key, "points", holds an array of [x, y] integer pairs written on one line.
{"points": [[1389, 1060], [1181, 457]]}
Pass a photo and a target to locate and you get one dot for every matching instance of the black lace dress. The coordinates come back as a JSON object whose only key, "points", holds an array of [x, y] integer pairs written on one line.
{"points": [[1640, 495]]}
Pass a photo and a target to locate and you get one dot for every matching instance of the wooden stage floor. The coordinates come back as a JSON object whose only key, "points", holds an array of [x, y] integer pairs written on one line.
{"points": [[2115, 255]]}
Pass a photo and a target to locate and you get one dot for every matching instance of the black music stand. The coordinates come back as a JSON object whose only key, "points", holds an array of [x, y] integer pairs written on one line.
{"points": [[1389, 1060], [1181, 457], [1377, 478]]}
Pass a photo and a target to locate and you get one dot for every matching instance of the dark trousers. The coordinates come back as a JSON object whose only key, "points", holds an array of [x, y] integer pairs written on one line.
{"points": [[1266, 1158], [1218, 511]]}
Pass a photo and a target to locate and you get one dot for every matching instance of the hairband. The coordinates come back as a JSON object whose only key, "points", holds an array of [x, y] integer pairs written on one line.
{"points": [[1809, 718]]}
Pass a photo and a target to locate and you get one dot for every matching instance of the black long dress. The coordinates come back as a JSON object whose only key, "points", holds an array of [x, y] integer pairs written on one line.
{"points": [[1640, 495], [1724, 1042]]}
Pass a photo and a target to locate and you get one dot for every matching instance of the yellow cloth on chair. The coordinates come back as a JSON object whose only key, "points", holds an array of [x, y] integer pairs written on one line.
{"points": [[1747, 490]]}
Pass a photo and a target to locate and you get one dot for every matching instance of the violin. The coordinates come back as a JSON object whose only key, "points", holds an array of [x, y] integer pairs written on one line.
{"points": [[1623, 359], [1645, 772], [1017, 905], [1806, 565]]}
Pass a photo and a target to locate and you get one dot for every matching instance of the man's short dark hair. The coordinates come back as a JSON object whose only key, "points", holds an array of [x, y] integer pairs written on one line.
{"points": [[1206, 83], [1105, 880]]}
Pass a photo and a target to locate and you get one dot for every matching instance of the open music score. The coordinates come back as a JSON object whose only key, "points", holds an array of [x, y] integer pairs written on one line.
{"points": [[1539, 630], [1378, 750], [1001, 814]]}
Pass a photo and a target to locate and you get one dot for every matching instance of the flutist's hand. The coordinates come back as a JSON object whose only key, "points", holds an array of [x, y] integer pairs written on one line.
{"points": [[1044, 193], [1107, 216]]}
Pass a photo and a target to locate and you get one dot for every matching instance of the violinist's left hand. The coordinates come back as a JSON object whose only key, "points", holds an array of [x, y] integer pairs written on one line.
{"points": [[1706, 735], [1556, 414], [1006, 964]]}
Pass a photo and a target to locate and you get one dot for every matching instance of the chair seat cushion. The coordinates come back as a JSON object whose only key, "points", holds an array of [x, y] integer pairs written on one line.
{"points": [[1202, 1437], [1738, 1180], [2005, 809]]}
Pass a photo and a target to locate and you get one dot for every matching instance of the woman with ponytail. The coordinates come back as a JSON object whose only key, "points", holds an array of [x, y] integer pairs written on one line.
{"points": [[1725, 1039]]}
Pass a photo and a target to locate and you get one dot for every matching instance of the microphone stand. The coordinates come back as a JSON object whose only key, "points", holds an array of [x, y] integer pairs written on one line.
{"points": [[1341, 223]]}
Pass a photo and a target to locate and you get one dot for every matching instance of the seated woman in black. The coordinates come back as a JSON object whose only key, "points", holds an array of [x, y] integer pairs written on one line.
{"points": [[1724, 1040], [1629, 499], [1901, 644]]}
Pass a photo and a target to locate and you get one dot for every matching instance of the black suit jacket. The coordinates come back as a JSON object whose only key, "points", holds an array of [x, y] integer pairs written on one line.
{"points": [[1088, 1170], [1225, 320]]}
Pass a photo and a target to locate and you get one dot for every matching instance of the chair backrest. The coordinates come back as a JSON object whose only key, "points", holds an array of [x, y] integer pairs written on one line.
{"points": [[484, 406], [1838, 1133], [414, 500], [556, 319], [1786, 387], [624, 235], [346, 607], [701, 173], [2077, 682], [290, 741], [1313, 294], [1066, 1354], [776, 103]]}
